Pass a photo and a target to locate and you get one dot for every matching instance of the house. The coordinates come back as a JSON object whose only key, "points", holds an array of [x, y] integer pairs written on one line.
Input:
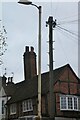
{"points": [[2, 99], [24, 102], [6, 91]]}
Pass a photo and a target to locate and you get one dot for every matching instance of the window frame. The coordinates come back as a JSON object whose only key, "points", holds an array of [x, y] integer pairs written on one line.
{"points": [[3, 107], [79, 103], [70, 102], [61, 108], [13, 109], [27, 105], [67, 103]]}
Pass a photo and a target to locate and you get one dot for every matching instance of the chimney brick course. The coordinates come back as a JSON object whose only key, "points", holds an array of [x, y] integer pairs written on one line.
{"points": [[29, 63]]}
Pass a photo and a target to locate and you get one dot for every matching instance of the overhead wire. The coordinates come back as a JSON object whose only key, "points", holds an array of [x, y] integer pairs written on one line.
{"points": [[68, 31], [70, 36], [56, 8], [69, 17], [65, 22], [51, 6], [66, 35], [63, 30], [63, 50]]}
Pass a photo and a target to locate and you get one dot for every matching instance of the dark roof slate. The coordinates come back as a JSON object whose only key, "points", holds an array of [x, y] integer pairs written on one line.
{"points": [[9, 87], [28, 88]]}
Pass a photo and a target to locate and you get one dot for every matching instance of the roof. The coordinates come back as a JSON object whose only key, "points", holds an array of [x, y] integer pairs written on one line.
{"points": [[9, 87], [28, 88]]}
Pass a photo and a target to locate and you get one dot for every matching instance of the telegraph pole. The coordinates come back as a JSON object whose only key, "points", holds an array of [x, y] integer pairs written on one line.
{"points": [[52, 25]]}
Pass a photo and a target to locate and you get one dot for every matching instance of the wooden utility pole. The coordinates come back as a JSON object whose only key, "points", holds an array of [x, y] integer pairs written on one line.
{"points": [[52, 25]]}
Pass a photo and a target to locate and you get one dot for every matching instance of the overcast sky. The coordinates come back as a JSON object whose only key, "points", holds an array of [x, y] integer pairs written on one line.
{"points": [[21, 23]]}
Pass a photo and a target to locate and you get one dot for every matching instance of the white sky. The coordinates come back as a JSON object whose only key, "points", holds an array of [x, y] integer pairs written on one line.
{"points": [[21, 23], [43, 0]]}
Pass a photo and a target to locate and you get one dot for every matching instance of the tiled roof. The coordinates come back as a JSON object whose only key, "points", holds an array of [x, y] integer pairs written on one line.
{"points": [[9, 88], [28, 88]]}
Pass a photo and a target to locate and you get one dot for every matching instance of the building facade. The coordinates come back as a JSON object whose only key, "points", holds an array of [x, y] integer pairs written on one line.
{"points": [[24, 102], [3, 98], [7, 89]]}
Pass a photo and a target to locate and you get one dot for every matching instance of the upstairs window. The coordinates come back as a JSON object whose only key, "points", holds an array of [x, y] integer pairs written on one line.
{"points": [[76, 103], [69, 102], [63, 102], [79, 103], [13, 109], [27, 105]]}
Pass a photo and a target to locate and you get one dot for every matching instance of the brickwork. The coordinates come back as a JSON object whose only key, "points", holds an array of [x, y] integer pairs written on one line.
{"points": [[30, 69], [67, 84]]}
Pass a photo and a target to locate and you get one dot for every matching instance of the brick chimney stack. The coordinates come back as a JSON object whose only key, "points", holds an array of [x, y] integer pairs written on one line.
{"points": [[29, 63]]}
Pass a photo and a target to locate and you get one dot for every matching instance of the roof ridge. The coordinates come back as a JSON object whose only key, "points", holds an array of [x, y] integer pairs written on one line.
{"points": [[63, 66], [59, 68]]}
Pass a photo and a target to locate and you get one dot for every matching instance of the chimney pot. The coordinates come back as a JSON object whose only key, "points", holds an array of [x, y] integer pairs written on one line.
{"points": [[4, 80], [32, 49], [27, 49], [11, 79], [8, 79]]}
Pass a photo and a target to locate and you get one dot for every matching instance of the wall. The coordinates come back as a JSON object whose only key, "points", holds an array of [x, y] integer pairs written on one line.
{"points": [[2, 93], [67, 84]]}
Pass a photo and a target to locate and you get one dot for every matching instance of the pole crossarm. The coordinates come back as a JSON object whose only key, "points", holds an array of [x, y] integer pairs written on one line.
{"points": [[52, 22]]}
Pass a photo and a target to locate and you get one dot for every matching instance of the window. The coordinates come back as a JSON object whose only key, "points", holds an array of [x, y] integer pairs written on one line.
{"points": [[63, 102], [69, 102], [76, 101], [13, 109], [79, 103], [3, 106], [27, 105]]}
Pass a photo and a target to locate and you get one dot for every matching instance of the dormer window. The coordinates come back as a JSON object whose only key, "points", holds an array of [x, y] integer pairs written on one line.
{"points": [[69, 102], [27, 105], [13, 109]]}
